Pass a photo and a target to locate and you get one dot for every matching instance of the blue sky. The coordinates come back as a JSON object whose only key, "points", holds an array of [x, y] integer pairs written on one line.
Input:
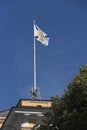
{"points": [[65, 21]]}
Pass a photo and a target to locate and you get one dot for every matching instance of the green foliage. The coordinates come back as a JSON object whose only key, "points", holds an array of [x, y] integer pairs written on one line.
{"points": [[69, 112], [75, 99]]}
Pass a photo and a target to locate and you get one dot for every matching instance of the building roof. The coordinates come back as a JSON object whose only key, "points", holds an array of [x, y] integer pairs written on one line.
{"points": [[25, 107]]}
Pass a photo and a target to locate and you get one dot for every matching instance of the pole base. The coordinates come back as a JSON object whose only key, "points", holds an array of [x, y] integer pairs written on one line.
{"points": [[35, 94]]}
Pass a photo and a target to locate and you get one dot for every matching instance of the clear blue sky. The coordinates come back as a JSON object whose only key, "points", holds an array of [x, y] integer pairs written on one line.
{"points": [[65, 21]]}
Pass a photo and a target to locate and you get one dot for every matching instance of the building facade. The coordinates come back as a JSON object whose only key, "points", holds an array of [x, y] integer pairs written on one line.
{"points": [[25, 115]]}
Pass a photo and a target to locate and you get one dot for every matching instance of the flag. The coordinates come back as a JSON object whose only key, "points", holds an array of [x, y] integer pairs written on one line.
{"points": [[40, 35]]}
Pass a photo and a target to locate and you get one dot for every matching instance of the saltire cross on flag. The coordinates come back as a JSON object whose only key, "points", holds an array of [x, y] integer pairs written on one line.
{"points": [[40, 35]]}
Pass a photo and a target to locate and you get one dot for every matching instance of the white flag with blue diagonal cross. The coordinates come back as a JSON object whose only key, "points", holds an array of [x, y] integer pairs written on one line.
{"points": [[40, 35]]}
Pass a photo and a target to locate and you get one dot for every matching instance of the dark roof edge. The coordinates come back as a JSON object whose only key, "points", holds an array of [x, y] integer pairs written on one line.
{"points": [[10, 110]]}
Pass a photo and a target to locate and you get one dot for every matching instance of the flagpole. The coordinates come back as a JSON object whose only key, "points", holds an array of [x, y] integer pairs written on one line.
{"points": [[35, 91], [34, 63], [43, 38]]}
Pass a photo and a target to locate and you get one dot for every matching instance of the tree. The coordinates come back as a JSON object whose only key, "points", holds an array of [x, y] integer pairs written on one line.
{"points": [[75, 99], [69, 112]]}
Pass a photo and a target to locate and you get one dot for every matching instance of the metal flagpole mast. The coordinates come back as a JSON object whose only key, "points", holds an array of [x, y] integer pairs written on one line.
{"points": [[35, 91], [34, 64]]}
